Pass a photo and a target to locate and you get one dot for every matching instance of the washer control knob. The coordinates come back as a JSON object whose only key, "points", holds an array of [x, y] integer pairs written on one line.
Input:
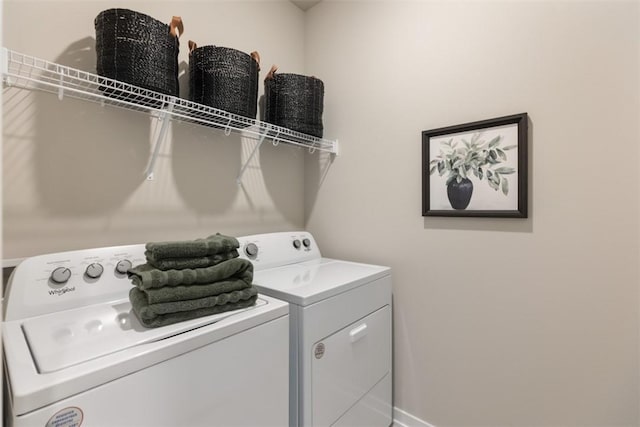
{"points": [[123, 266], [306, 242], [60, 275], [296, 244], [94, 270], [251, 249]]}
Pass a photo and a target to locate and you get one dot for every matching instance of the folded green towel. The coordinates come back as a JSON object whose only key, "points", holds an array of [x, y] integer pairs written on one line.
{"points": [[154, 315], [182, 263], [145, 276], [149, 311], [182, 292], [218, 243], [168, 319]]}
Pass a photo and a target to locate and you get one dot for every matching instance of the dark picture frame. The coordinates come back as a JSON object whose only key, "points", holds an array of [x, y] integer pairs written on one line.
{"points": [[476, 169]]}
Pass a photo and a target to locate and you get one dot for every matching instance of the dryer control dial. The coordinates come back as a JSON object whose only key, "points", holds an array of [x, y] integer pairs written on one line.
{"points": [[251, 249], [94, 270], [60, 275], [296, 244], [123, 266], [306, 242]]}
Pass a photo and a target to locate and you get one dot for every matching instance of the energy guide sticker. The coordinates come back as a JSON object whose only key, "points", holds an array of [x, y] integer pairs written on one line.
{"points": [[67, 417]]}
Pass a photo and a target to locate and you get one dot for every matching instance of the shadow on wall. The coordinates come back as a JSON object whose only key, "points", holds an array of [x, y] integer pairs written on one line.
{"points": [[183, 80], [88, 159], [261, 108], [205, 164], [283, 171], [317, 168]]}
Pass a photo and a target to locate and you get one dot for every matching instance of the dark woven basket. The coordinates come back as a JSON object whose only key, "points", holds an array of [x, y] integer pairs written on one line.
{"points": [[224, 78], [137, 49], [295, 102]]}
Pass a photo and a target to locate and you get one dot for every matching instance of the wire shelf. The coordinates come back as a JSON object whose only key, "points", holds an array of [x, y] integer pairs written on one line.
{"points": [[29, 72]]}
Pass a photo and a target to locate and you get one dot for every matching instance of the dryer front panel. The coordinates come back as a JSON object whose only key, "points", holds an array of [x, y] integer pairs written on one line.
{"points": [[347, 365]]}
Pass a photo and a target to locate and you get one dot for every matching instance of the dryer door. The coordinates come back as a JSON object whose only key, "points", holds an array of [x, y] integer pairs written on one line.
{"points": [[347, 365]]}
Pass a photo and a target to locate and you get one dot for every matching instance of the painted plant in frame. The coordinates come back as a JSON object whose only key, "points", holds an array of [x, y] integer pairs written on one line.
{"points": [[488, 155]]}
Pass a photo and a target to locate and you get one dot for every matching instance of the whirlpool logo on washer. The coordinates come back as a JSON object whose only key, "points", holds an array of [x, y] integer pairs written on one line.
{"points": [[61, 291]]}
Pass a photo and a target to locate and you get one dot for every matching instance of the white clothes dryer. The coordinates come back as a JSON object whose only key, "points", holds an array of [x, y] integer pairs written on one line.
{"points": [[340, 330], [76, 355]]}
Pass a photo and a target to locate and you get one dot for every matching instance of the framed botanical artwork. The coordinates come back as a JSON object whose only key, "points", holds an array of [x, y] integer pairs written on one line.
{"points": [[476, 169]]}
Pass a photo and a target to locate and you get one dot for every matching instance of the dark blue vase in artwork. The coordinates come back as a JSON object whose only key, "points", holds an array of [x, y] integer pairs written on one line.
{"points": [[459, 193]]}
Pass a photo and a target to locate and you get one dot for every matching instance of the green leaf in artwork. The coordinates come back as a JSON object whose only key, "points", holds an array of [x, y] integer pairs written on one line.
{"points": [[494, 142], [505, 186], [473, 157], [505, 170]]}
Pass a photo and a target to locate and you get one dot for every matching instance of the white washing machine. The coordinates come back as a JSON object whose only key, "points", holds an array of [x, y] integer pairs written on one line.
{"points": [[76, 355], [340, 314]]}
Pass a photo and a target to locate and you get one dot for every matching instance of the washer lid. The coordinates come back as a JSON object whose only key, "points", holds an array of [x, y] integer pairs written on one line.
{"points": [[308, 282], [67, 338]]}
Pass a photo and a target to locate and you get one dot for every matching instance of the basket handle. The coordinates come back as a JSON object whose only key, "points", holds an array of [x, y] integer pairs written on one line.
{"points": [[271, 72], [176, 24], [256, 57], [192, 45]]}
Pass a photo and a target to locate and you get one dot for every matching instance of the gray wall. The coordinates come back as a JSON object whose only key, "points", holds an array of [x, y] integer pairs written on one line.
{"points": [[74, 172], [497, 321]]}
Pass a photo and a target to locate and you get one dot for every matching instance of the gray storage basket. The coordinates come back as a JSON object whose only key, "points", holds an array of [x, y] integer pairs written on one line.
{"points": [[295, 102], [224, 78], [135, 48]]}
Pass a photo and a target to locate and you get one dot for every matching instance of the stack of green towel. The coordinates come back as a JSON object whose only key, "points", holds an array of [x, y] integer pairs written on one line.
{"points": [[190, 279]]}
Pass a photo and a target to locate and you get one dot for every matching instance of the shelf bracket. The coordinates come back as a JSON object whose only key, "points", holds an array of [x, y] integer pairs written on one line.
{"points": [[253, 153], [164, 118], [227, 130], [275, 141], [61, 87], [312, 148]]}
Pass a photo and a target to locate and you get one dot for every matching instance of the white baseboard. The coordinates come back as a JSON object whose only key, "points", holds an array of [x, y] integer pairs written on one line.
{"points": [[404, 419]]}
